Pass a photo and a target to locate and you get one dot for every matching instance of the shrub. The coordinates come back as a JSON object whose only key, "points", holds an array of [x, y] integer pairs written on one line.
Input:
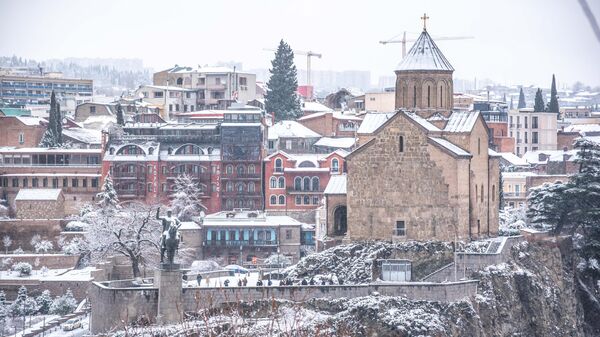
{"points": [[23, 268]]}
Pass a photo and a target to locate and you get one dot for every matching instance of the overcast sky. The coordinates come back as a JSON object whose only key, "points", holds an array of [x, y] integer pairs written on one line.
{"points": [[516, 41]]}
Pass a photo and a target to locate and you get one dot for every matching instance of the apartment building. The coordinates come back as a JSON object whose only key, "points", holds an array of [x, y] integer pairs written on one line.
{"points": [[21, 90], [169, 99], [532, 131]]}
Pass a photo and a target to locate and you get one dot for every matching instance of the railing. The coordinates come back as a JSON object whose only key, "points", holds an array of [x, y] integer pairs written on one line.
{"points": [[399, 232], [255, 194], [241, 176], [292, 190], [237, 243], [514, 195]]}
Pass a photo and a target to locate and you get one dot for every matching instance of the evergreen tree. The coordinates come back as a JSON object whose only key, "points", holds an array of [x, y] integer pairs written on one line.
{"points": [[539, 105], [53, 135], [44, 301], [108, 198], [511, 107], [58, 125], [501, 188], [553, 103], [23, 305], [281, 97], [64, 305], [522, 103], [120, 118]]}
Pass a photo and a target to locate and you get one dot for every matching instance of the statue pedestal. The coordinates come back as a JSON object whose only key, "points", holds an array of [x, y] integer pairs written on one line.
{"points": [[170, 305]]}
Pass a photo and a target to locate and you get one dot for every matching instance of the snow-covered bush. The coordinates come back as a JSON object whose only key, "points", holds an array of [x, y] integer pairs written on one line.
{"points": [[6, 263], [74, 246], [23, 268], [43, 246], [23, 305], [511, 221], [204, 265], [77, 226], [278, 259], [19, 251], [64, 304], [3, 209]]}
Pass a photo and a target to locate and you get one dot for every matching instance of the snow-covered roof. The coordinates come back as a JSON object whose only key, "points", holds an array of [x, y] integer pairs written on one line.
{"points": [[30, 121], [450, 147], [335, 114], [342, 143], [38, 194], [189, 225], [461, 121], [99, 122], [88, 136], [373, 121], [423, 122], [533, 157], [336, 185], [424, 55], [290, 129], [513, 159], [248, 219], [508, 175], [8, 150], [583, 129], [169, 88], [314, 107]]}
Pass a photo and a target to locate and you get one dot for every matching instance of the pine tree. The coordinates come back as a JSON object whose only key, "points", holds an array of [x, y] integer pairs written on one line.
{"points": [[539, 105], [511, 107], [553, 103], [108, 198], [58, 125], [44, 301], [53, 135], [522, 104], [120, 118], [23, 305], [501, 188], [281, 97], [64, 305]]}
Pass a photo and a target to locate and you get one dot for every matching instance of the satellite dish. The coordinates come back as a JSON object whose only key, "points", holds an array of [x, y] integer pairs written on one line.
{"points": [[140, 95]]}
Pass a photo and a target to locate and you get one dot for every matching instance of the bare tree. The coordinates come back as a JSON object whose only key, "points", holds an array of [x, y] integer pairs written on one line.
{"points": [[130, 231], [186, 202]]}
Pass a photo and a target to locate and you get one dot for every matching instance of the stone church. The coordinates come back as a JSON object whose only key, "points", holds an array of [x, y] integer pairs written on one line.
{"points": [[423, 172]]}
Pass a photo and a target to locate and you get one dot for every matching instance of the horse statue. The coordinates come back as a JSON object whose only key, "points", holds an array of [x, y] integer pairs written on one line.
{"points": [[169, 239]]}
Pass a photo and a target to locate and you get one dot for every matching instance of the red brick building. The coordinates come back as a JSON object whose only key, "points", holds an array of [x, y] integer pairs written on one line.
{"points": [[332, 123], [295, 182], [21, 131]]}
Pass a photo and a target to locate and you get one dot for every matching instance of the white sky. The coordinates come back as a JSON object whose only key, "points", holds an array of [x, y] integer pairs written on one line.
{"points": [[516, 41]]}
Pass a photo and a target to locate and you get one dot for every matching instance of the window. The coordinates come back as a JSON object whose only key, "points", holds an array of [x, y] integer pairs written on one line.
{"points": [[315, 183], [191, 108], [185, 107], [306, 200], [111, 150], [335, 165], [306, 184], [282, 200], [158, 94], [164, 187], [441, 97], [288, 234], [74, 182], [526, 134], [288, 144], [251, 187], [281, 182], [65, 182], [478, 145], [415, 96], [273, 182], [45, 182], [493, 192], [400, 228], [229, 186], [164, 169], [271, 145], [229, 169], [401, 144], [517, 190], [481, 199], [298, 200], [428, 97], [21, 138], [34, 182], [15, 182], [534, 137], [150, 187], [297, 184], [534, 122], [84, 181], [526, 124], [202, 81], [273, 200], [241, 170], [218, 80], [315, 200], [251, 169], [170, 107], [179, 81], [243, 81], [213, 187], [94, 182], [278, 165], [176, 107], [25, 182]]}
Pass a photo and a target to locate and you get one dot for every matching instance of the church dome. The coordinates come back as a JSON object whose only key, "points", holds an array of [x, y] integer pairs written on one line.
{"points": [[424, 55]]}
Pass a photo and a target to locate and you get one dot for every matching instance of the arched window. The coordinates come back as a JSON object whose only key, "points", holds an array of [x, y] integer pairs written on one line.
{"points": [[306, 184], [281, 182], [273, 200], [251, 187], [428, 96], [131, 150], [273, 182], [278, 165], [476, 193], [149, 187], [170, 150], [150, 150], [180, 81], [111, 150], [478, 145], [297, 184], [189, 149], [213, 187], [241, 169], [251, 204], [239, 203], [481, 192], [251, 169], [315, 183], [493, 192], [209, 150], [282, 200], [401, 144], [415, 96], [335, 165], [306, 200], [240, 187], [229, 169], [229, 186], [441, 97], [229, 203]]}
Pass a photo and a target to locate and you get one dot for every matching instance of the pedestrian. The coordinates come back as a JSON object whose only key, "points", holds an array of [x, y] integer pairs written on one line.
{"points": [[199, 279], [226, 283], [245, 281], [269, 283], [259, 283], [239, 282], [340, 281], [323, 282], [304, 283], [207, 281], [330, 281], [312, 282]]}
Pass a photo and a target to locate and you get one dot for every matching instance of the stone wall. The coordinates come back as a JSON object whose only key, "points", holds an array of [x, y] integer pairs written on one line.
{"points": [[46, 260], [21, 231], [111, 306], [36, 286], [41, 209], [440, 91]]}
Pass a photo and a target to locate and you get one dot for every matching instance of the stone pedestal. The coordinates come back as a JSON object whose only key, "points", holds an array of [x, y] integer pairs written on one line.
{"points": [[170, 305]]}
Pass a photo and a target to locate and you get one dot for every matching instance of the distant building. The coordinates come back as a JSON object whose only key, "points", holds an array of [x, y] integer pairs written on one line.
{"points": [[85, 110], [332, 123], [237, 237], [18, 90], [291, 137], [514, 188], [169, 99], [380, 101], [532, 131], [495, 115]]}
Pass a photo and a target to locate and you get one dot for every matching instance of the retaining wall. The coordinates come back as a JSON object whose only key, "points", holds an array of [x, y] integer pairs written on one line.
{"points": [[51, 261]]}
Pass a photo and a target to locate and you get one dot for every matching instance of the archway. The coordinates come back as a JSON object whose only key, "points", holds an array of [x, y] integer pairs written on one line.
{"points": [[340, 221]]}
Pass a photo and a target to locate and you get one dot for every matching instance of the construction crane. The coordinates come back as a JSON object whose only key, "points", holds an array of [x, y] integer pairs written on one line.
{"points": [[308, 55], [439, 38]]}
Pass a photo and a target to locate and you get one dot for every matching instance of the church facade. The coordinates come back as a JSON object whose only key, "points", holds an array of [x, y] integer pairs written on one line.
{"points": [[423, 172]]}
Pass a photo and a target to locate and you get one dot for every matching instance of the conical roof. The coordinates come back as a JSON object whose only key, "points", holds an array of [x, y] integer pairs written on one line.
{"points": [[424, 55]]}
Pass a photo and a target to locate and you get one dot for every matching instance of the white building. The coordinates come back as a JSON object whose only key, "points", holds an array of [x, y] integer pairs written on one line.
{"points": [[532, 131], [170, 99]]}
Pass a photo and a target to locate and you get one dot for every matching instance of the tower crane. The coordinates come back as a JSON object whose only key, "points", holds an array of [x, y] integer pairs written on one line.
{"points": [[308, 55], [439, 38]]}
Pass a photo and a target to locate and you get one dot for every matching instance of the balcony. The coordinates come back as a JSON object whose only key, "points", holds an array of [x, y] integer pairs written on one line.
{"points": [[238, 243], [208, 101], [291, 190], [514, 195], [204, 176], [216, 86], [241, 176], [235, 193]]}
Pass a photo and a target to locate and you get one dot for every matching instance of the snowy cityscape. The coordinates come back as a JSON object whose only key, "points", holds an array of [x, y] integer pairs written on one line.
{"points": [[245, 168]]}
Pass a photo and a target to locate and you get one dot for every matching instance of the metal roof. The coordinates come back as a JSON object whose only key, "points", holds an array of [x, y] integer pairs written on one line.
{"points": [[424, 55], [336, 185], [373, 121], [38, 194], [450, 147], [461, 121]]}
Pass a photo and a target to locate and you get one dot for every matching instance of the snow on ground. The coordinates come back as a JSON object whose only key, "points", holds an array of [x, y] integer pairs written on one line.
{"points": [[251, 277], [51, 275]]}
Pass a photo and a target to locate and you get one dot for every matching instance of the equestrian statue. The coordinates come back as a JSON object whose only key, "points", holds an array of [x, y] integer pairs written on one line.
{"points": [[169, 238]]}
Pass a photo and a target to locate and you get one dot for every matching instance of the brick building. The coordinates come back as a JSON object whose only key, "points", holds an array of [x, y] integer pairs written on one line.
{"points": [[291, 137], [332, 123], [76, 172], [296, 182], [21, 131], [44, 203]]}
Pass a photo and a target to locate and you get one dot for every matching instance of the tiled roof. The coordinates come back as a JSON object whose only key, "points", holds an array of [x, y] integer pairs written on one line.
{"points": [[424, 55]]}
